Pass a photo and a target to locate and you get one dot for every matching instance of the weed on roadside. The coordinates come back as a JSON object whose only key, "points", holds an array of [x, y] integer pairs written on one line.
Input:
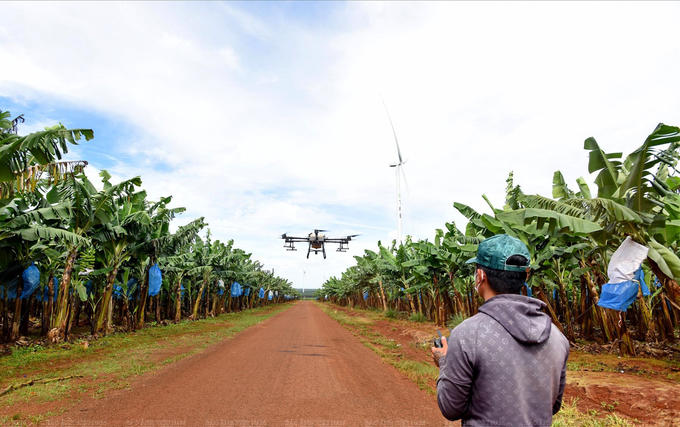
{"points": [[344, 319], [391, 313], [456, 320], [609, 406], [590, 367], [569, 415]]}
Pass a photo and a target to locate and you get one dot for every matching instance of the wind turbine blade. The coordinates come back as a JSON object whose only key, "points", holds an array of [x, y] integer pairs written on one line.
{"points": [[393, 132]]}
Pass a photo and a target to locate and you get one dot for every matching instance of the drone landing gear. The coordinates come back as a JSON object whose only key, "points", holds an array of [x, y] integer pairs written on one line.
{"points": [[316, 251]]}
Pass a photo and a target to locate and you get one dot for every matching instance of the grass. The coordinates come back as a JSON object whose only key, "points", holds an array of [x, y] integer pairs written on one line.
{"points": [[456, 320], [111, 361], [391, 313], [639, 366], [569, 415], [609, 406], [389, 351], [590, 366]]}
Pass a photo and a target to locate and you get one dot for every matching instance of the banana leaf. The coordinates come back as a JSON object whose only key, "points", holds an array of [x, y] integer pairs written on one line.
{"points": [[667, 261], [556, 222]]}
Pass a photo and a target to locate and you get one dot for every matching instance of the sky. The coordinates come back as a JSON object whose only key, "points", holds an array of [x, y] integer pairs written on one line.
{"points": [[267, 117]]}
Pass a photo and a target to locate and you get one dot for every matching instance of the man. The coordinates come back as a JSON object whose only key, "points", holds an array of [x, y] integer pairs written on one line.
{"points": [[505, 366]]}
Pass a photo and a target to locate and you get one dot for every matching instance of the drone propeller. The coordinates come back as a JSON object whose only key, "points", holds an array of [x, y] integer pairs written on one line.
{"points": [[353, 235]]}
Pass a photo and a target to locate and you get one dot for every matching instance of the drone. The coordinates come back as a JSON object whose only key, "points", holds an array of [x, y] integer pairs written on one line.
{"points": [[317, 242]]}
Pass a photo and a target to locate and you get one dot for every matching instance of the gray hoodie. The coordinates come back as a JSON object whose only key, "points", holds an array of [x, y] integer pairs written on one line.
{"points": [[505, 366]]}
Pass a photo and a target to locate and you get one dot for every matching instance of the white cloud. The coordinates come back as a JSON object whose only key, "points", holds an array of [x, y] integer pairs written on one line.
{"points": [[229, 57], [272, 125], [247, 22]]}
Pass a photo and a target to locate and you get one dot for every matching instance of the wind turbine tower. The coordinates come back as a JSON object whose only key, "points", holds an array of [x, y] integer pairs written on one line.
{"points": [[400, 172]]}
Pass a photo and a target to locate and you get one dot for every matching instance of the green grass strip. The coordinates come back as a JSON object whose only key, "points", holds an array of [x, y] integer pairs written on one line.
{"points": [[569, 415]]}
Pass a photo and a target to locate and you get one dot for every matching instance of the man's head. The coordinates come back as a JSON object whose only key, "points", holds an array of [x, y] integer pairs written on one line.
{"points": [[504, 263]]}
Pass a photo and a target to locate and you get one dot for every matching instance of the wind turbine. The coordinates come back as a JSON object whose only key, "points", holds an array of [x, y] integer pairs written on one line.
{"points": [[400, 172], [304, 279]]}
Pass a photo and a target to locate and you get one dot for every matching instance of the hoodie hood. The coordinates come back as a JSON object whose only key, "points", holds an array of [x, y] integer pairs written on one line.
{"points": [[521, 316]]}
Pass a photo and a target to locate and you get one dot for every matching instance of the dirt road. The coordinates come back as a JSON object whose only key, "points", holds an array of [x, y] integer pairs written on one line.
{"points": [[299, 368]]}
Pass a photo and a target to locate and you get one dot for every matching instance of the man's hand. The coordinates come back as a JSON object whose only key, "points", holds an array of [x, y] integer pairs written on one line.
{"points": [[438, 353]]}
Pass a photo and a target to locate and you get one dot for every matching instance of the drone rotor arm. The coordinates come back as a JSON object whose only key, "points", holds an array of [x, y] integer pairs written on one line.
{"points": [[296, 239]]}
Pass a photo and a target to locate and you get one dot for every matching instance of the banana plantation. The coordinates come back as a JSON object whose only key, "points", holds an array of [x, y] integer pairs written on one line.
{"points": [[75, 254], [571, 237]]}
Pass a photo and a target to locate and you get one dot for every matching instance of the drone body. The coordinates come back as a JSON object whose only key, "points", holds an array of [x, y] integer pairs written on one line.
{"points": [[316, 242]]}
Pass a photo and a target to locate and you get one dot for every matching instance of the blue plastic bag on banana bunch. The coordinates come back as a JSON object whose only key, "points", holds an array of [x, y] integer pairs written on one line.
{"points": [[155, 280], [625, 276], [236, 290], [31, 277]]}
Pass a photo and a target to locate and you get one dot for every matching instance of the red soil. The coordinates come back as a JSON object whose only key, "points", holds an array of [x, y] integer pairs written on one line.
{"points": [[297, 368]]}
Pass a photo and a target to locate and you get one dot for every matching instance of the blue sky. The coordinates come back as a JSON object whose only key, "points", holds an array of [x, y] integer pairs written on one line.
{"points": [[267, 117]]}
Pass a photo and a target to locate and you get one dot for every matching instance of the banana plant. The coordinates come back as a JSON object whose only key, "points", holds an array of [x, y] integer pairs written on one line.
{"points": [[24, 159], [151, 240], [175, 258], [115, 240]]}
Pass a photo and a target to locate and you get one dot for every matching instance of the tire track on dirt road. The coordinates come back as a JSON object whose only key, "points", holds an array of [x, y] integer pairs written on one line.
{"points": [[299, 368]]}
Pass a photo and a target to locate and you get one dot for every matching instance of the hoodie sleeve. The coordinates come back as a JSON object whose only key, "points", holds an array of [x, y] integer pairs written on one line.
{"points": [[563, 382], [456, 371]]}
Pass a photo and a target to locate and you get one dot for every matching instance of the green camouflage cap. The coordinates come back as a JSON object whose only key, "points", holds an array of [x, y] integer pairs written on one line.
{"points": [[495, 251]]}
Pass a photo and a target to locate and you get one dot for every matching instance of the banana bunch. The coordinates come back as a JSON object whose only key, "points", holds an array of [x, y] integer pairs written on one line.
{"points": [[86, 261]]}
